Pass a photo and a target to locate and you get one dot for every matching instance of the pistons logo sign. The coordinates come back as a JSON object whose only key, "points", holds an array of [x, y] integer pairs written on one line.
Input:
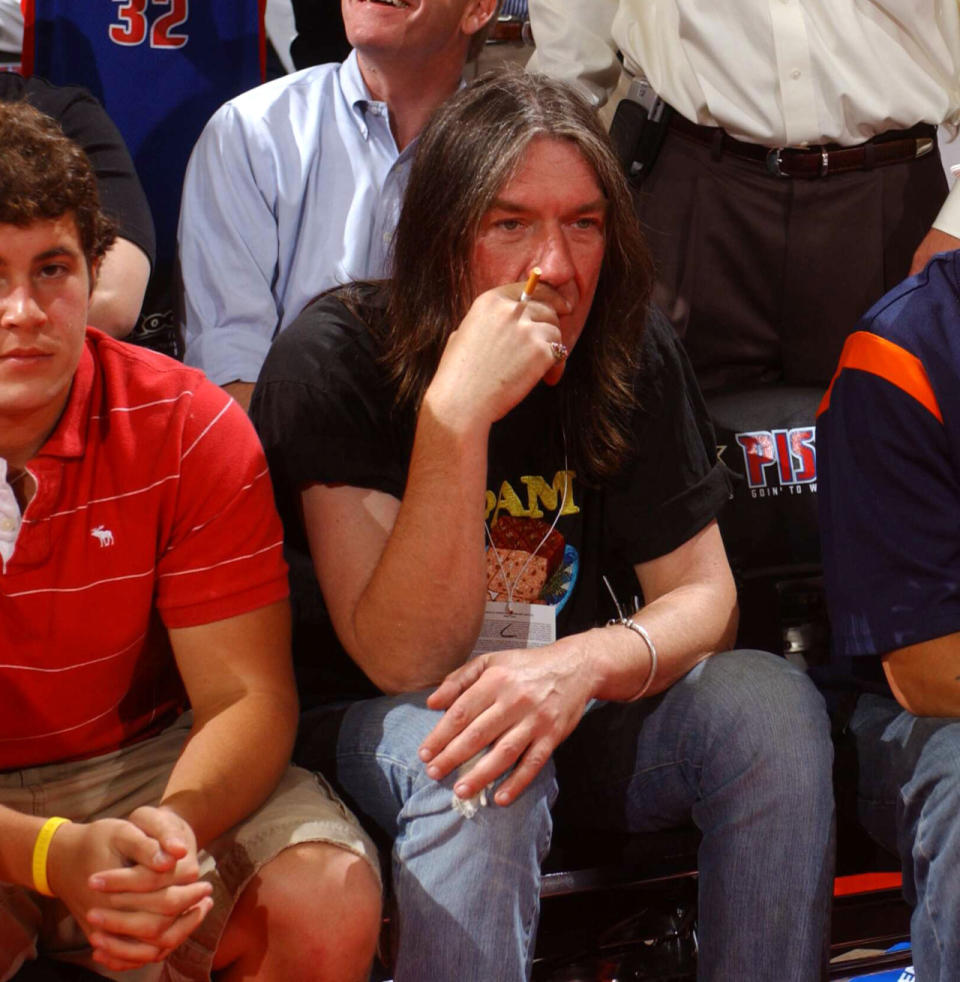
{"points": [[780, 461]]}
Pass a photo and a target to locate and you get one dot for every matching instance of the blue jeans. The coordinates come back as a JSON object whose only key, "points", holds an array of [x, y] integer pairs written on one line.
{"points": [[740, 745], [909, 801]]}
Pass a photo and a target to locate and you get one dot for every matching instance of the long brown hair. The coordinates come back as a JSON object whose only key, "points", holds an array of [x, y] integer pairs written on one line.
{"points": [[471, 148]]}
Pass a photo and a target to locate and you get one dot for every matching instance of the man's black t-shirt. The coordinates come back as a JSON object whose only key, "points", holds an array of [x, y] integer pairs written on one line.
{"points": [[326, 414], [86, 122]]}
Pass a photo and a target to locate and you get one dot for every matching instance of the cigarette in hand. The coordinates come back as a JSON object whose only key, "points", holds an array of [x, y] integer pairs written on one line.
{"points": [[532, 280]]}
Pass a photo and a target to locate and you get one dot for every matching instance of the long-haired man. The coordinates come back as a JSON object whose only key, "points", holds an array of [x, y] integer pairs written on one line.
{"points": [[460, 456]]}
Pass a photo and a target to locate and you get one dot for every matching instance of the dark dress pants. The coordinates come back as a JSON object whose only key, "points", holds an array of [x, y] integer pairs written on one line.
{"points": [[764, 277]]}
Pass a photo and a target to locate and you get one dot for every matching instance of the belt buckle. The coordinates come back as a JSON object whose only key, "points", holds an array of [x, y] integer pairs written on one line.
{"points": [[773, 162]]}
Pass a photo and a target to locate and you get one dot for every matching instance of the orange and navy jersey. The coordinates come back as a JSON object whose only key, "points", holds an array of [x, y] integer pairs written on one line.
{"points": [[160, 68], [154, 510], [888, 440]]}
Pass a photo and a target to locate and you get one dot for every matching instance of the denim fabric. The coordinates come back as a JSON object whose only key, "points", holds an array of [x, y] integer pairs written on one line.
{"points": [[740, 745], [909, 801], [467, 890]]}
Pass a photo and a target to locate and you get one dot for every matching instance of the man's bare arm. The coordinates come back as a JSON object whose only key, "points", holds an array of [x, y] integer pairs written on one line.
{"points": [[523, 703], [239, 677], [690, 612], [18, 832], [404, 582], [118, 294], [925, 677]]}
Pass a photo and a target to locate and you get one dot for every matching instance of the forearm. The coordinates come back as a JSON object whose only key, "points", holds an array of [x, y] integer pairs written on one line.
{"points": [[685, 625], [118, 295], [420, 614], [404, 580], [18, 833], [233, 759], [925, 677]]}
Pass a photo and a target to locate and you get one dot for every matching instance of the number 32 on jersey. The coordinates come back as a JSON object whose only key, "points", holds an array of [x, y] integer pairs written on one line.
{"points": [[133, 25]]}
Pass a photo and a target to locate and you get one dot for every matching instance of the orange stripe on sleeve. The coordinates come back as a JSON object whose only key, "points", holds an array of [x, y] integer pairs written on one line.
{"points": [[868, 352]]}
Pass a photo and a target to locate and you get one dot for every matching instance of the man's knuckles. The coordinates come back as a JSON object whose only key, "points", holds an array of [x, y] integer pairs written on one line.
{"points": [[523, 696], [169, 905], [508, 750], [458, 716], [187, 871], [472, 741]]}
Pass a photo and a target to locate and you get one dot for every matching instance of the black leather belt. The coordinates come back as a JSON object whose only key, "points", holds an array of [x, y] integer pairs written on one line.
{"points": [[893, 147]]}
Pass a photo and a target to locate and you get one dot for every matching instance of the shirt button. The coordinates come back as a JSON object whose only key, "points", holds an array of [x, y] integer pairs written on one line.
{"points": [[795, 74], [7, 524]]}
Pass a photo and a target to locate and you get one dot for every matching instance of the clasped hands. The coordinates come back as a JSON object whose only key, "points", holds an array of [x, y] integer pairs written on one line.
{"points": [[132, 884], [520, 704]]}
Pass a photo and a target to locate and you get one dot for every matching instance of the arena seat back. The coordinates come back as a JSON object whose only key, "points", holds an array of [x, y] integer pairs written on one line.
{"points": [[767, 438]]}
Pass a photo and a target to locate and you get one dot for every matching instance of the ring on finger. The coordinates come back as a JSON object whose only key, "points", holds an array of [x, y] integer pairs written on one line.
{"points": [[559, 350]]}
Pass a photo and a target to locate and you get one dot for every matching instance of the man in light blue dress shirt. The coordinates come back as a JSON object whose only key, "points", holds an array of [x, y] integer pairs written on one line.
{"points": [[296, 185]]}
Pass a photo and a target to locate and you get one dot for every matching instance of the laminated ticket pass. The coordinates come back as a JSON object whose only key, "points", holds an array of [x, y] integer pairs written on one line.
{"points": [[515, 625]]}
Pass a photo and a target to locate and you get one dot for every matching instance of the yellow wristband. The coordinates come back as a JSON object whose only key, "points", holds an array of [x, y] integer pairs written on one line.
{"points": [[40, 849]]}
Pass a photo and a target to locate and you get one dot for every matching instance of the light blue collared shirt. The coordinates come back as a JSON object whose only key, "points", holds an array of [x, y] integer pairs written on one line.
{"points": [[293, 187]]}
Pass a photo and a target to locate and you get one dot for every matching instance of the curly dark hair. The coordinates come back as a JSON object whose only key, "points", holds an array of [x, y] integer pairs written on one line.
{"points": [[45, 175]]}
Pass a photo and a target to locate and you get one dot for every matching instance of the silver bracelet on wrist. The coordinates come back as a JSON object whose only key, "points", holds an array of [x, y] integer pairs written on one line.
{"points": [[642, 631]]}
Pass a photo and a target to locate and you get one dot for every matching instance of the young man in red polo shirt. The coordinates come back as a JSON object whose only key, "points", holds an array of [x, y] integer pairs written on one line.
{"points": [[141, 573]]}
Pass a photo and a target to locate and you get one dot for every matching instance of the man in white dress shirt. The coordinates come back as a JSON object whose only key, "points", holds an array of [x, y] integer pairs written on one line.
{"points": [[800, 177]]}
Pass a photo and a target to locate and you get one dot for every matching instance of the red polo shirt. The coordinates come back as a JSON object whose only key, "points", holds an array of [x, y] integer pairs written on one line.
{"points": [[153, 509]]}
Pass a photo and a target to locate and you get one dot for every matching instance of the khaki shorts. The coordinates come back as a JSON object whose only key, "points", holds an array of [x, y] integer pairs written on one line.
{"points": [[303, 808]]}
